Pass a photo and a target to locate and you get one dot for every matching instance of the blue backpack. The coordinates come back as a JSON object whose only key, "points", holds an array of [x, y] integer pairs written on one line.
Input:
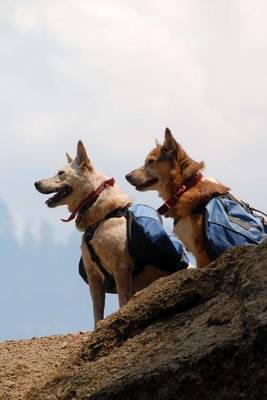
{"points": [[230, 222], [148, 243]]}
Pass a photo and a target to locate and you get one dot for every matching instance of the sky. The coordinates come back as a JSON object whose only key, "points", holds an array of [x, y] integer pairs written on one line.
{"points": [[115, 74]]}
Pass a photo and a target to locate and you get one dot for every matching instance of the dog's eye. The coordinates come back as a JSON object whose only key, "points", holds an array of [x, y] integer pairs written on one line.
{"points": [[61, 172], [150, 161]]}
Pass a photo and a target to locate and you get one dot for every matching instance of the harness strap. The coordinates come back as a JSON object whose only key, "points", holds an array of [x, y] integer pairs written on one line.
{"points": [[187, 184], [258, 213], [200, 208], [109, 282]]}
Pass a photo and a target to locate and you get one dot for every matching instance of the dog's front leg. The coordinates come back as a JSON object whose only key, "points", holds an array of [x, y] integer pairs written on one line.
{"points": [[123, 279], [95, 285], [97, 294]]}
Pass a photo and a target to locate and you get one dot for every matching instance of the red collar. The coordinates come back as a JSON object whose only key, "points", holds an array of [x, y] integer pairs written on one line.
{"points": [[187, 184], [90, 199]]}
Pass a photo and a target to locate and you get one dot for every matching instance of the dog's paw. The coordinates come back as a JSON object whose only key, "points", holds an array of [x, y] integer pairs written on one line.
{"points": [[136, 294], [99, 323], [190, 266]]}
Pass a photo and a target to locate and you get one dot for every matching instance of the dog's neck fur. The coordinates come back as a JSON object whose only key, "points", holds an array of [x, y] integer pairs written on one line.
{"points": [[110, 199], [196, 196], [201, 193], [183, 167]]}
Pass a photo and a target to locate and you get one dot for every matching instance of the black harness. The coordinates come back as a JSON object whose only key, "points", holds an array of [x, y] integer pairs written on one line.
{"points": [[147, 241], [109, 282]]}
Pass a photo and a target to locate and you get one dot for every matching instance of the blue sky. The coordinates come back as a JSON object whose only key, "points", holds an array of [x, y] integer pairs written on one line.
{"points": [[115, 74], [41, 292]]}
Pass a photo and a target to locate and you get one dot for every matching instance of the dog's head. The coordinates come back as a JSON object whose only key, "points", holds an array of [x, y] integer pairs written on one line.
{"points": [[72, 183], [165, 164]]}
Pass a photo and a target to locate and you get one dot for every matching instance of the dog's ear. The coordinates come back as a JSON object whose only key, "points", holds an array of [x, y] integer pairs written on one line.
{"points": [[69, 158], [170, 143], [81, 157], [188, 166]]}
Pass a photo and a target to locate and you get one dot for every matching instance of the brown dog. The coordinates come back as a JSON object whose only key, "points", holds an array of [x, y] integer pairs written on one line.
{"points": [[90, 196], [179, 181]]}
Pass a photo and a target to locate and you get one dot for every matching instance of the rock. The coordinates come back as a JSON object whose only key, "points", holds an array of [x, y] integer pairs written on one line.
{"points": [[197, 334], [10, 384]]}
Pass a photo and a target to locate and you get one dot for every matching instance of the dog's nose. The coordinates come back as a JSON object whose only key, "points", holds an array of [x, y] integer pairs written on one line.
{"points": [[37, 184], [128, 177]]}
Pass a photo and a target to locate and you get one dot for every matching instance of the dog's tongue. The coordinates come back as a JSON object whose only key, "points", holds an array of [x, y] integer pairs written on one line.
{"points": [[51, 200], [71, 217]]}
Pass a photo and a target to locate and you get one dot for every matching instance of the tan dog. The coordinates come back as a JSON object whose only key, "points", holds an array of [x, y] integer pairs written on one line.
{"points": [[179, 181], [71, 186]]}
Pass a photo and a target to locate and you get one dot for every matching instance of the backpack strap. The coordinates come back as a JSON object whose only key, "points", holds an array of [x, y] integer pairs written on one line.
{"points": [[137, 266], [109, 282], [248, 208]]}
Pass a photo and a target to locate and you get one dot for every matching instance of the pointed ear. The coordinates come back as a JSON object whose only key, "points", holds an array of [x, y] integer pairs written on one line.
{"points": [[81, 157], [69, 158], [170, 143]]}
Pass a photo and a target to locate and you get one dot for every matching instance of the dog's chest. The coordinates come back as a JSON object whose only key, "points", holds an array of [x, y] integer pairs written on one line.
{"points": [[184, 230], [110, 244]]}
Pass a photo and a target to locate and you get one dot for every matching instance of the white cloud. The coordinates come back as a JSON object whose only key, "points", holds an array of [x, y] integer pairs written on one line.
{"points": [[115, 73]]}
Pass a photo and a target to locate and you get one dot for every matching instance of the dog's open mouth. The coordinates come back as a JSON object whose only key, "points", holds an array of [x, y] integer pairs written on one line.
{"points": [[60, 194], [147, 184]]}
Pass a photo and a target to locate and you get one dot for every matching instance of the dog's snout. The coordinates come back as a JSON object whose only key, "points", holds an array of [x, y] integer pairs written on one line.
{"points": [[37, 184], [129, 177]]}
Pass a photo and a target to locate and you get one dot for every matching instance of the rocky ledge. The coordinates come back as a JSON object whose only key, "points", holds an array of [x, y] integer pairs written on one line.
{"points": [[197, 334]]}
